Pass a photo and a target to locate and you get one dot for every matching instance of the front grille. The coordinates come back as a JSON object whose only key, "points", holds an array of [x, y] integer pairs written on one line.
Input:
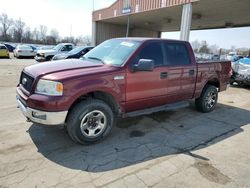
{"points": [[26, 81], [39, 55]]}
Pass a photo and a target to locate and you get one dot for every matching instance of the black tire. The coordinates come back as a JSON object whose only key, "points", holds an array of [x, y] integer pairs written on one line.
{"points": [[231, 81], [208, 99], [81, 113], [49, 58]]}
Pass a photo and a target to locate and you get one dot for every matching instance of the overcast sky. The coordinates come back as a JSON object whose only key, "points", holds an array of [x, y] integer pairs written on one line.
{"points": [[77, 14]]}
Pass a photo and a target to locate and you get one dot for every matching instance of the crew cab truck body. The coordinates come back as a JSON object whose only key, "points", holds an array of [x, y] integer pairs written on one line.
{"points": [[120, 77]]}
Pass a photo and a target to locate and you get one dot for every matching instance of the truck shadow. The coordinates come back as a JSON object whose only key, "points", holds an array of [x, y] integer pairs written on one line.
{"points": [[135, 140]]}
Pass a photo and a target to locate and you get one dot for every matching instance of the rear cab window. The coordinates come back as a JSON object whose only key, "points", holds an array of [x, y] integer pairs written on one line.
{"points": [[177, 54], [69, 47]]}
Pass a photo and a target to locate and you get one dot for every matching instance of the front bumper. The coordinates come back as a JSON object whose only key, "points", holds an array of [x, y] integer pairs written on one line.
{"points": [[40, 59], [245, 79], [42, 117]]}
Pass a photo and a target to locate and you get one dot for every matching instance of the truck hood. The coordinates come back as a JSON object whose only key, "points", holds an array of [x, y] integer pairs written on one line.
{"points": [[51, 51], [60, 66]]}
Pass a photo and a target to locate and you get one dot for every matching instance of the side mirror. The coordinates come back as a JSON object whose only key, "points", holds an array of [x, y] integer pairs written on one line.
{"points": [[144, 65]]}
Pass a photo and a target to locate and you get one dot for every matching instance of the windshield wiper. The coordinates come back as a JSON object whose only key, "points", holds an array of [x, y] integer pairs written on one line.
{"points": [[96, 58]]}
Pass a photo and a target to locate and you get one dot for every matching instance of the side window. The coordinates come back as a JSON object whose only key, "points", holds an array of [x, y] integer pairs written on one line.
{"points": [[69, 47], [177, 54], [152, 51], [3, 48], [84, 51]]}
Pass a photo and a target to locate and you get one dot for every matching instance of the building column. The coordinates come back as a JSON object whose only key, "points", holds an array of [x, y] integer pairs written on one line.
{"points": [[186, 22], [93, 41]]}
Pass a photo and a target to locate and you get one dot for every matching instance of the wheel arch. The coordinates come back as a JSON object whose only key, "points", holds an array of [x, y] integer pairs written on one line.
{"points": [[101, 95], [213, 81]]}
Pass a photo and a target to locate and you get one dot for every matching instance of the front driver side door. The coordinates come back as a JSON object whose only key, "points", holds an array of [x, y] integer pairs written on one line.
{"points": [[146, 89]]}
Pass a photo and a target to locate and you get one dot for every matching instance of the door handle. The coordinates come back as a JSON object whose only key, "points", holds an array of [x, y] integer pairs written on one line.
{"points": [[191, 72], [164, 75]]}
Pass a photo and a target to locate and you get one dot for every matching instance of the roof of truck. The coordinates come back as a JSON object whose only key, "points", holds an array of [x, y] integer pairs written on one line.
{"points": [[142, 39]]}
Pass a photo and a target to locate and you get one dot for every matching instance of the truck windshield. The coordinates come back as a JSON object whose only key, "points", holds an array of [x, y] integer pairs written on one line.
{"points": [[58, 47], [113, 52]]}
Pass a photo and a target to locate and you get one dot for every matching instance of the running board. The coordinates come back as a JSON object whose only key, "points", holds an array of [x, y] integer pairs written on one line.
{"points": [[167, 107]]}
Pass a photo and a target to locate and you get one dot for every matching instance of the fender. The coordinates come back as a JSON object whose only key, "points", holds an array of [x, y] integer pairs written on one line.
{"points": [[210, 80], [105, 84]]}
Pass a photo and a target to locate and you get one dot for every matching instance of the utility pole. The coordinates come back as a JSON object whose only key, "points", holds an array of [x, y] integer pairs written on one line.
{"points": [[128, 26], [70, 30]]}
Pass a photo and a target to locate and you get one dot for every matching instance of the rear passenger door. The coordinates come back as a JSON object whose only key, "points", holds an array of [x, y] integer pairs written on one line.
{"points": [[181, 71]]}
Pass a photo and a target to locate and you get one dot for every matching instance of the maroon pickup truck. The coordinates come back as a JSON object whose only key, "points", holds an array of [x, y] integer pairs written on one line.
{"points": [[121, 77]]}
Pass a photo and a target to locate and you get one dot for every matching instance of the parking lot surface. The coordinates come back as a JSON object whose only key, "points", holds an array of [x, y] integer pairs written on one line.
{"points": [[182, 148]]}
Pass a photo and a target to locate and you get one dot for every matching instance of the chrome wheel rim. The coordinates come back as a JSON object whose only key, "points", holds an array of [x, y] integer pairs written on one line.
{"points": [[211, 99], [93, 124]]}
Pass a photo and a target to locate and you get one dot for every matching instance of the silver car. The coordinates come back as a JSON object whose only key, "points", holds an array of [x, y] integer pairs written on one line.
{"points": [[24, 51]]}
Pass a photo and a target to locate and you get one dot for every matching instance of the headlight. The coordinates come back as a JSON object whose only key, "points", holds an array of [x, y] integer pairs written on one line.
{"points": [[47, 87]]}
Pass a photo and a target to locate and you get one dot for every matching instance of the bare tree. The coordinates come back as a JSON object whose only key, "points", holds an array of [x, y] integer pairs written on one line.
{"points": [[83, 40], [35, 34], [54, 35], [204, 47], [43, 33], [68, 39], [18, 30], [27, 36], [6, 23], [233, 48], [214, 49], [87, 40], [196, 46]]}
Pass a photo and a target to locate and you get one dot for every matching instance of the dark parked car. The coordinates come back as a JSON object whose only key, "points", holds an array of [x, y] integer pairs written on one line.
{"points": [[76, 53], [10, 47], [215, 57], [34, 48]]}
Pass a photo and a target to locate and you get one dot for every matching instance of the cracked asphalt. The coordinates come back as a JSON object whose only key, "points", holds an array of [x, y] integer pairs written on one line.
{"points": [[182, 148]]}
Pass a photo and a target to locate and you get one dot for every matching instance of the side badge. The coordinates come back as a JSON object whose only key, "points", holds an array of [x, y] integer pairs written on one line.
{"points": [[120, 77]]}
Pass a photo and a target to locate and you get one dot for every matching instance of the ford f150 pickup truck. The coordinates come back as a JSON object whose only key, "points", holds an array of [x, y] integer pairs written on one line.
{"points": [[121, 77]]}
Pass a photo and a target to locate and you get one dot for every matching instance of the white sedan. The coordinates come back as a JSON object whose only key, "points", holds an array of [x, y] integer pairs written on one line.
{"points": [[24, 51]]}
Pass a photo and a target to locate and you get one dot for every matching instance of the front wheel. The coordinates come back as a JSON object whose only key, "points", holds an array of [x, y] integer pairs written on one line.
{"points": [[48, 58], [231, 81], [90, 121], [208, 99]]}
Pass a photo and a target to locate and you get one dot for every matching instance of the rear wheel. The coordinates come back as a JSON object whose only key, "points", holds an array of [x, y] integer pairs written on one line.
{"points": [[208, 99], [90, 121]]}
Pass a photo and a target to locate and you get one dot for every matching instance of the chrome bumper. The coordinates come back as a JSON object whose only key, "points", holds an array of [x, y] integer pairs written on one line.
{"points": [[42, 117], [40, 59]]}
